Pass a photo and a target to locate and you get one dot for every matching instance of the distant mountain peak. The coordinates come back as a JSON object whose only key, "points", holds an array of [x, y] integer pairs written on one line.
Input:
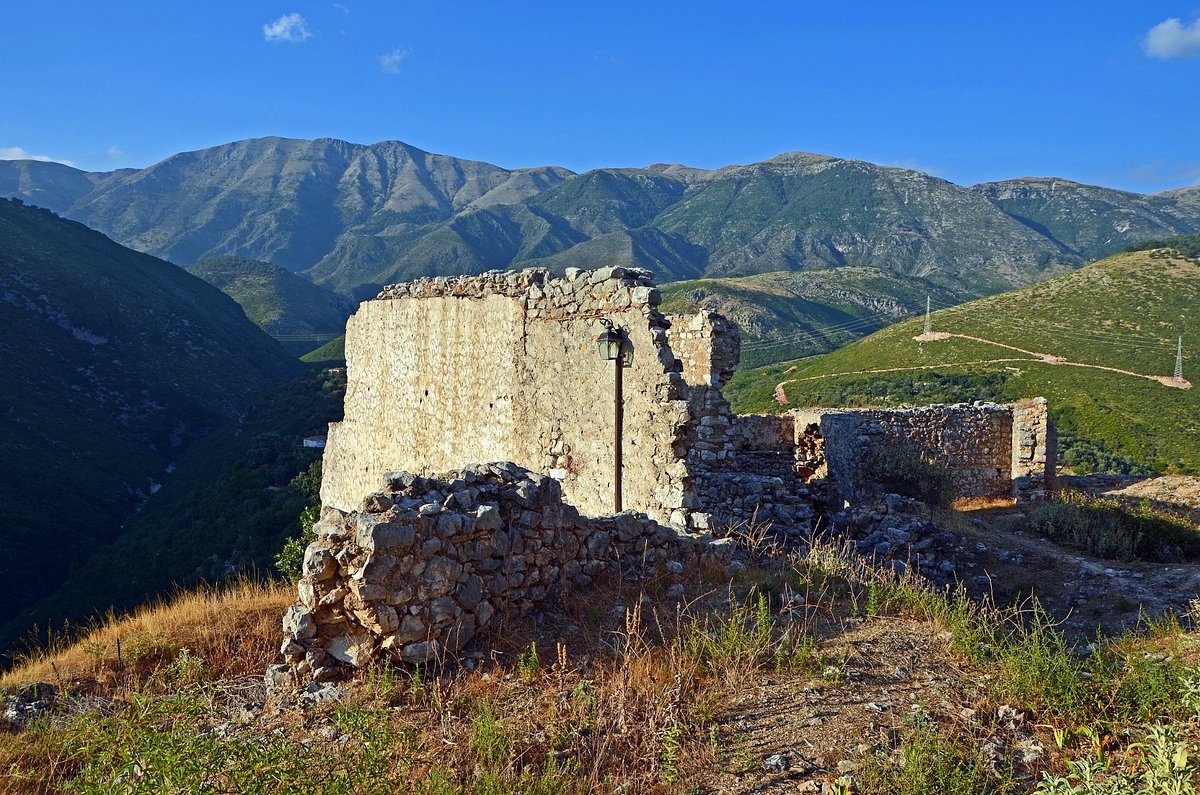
{"points": [[355, 216]]}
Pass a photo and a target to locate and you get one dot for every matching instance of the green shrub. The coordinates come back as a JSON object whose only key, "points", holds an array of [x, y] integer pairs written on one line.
{"points": [[290, 560], [932, 763], [904, 469], [1110, 529]]}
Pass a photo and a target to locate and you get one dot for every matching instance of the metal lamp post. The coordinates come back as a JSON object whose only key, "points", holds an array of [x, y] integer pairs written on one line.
{"points": [[609, 343]]}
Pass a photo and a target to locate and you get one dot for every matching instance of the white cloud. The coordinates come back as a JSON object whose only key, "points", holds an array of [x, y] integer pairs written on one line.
{"points": [[390, 63], [20, 153], [290, 28], [1173, 39], [115, 152], [341, 8]]}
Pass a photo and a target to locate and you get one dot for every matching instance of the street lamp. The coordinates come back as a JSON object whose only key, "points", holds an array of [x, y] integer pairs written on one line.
{"points": [[610, 343]]}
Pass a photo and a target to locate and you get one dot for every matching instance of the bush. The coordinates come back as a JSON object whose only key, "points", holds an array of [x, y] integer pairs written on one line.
{"points": [[290, 560], [1110, 529], [903, 469]]}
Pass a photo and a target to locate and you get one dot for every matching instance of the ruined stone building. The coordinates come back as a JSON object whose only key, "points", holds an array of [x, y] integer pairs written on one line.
{"points": [[504, 367], [476, 468]]}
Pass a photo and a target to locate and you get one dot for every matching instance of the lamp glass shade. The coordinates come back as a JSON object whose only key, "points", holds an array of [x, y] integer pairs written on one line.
{"points": [[609, 343]]}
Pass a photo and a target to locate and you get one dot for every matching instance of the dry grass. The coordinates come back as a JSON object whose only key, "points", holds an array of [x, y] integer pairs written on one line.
{"points": [[235, 630], [619, 696], [983, 503]]}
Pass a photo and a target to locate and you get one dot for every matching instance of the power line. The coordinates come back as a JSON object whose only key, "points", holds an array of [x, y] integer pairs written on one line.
{"points": [[817, 332]]}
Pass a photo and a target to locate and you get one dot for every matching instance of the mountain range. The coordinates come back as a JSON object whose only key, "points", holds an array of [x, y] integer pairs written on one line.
{"points": [[353, 217]]}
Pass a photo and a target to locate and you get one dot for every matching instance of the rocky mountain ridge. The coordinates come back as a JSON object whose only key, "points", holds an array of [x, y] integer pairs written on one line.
{"points": [[354, 217]]}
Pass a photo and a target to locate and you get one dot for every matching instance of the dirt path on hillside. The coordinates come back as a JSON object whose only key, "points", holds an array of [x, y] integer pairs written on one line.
{"points": [[934, 336]]}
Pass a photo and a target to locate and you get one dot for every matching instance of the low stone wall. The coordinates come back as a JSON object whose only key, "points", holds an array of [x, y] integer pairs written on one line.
{"points": [[425, 564], [990, 450]]}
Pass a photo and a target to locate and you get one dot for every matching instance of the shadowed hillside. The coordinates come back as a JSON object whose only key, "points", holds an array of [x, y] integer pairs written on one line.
{"points": [[115, 362]]}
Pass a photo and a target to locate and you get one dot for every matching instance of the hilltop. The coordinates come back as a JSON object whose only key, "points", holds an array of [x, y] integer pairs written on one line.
{"points": [[812, 671], [116, 363], [791, 315], [354, 217], [293, 310], [1124, 312]]}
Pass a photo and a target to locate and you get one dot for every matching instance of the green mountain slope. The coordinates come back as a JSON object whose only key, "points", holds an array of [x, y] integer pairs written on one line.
{"points": [[1124, 312], [1088, 221], [792, 315], [114, 362], [332, 353], [290, 308], [800, 211], [355, 217]]}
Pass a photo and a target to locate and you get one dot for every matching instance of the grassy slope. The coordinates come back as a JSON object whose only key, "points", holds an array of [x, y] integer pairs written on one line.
{"points": [[331, 352], [278, 301], [661, 704], [1125, 311]]}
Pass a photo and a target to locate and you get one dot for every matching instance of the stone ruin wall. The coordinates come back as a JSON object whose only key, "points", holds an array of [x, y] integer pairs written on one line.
{"points": [[742, 467], [1034, 451], [504, 367], [991, 450], [425, 564]]}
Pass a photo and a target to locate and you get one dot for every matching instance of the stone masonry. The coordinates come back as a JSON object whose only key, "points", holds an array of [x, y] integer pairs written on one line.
{"points": [[990, 449], [424, 564], [444, 373], [504, 367]]}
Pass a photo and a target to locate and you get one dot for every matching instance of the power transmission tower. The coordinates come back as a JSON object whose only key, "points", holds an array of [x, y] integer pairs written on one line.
{"points": [[1179, 361], [928, 319]]}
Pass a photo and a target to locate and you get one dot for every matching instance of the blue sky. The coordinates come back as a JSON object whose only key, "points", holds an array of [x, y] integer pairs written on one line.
{"points": [[1105, 93]]}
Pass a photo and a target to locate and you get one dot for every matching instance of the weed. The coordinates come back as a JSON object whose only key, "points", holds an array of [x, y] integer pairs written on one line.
{"points": [[290, 560], [1036, 667], [672, 743], [527, 663], [1110, 529], [489, 742], [1158, 765], [734, 643], [933, 763], [185, 669], [383, 680]]}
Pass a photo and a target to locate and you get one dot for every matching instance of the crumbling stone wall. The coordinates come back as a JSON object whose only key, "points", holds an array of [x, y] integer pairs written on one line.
{"points": [[741, 467], [990, 450], [443, 372], [1034, 450], [424, 564]]}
